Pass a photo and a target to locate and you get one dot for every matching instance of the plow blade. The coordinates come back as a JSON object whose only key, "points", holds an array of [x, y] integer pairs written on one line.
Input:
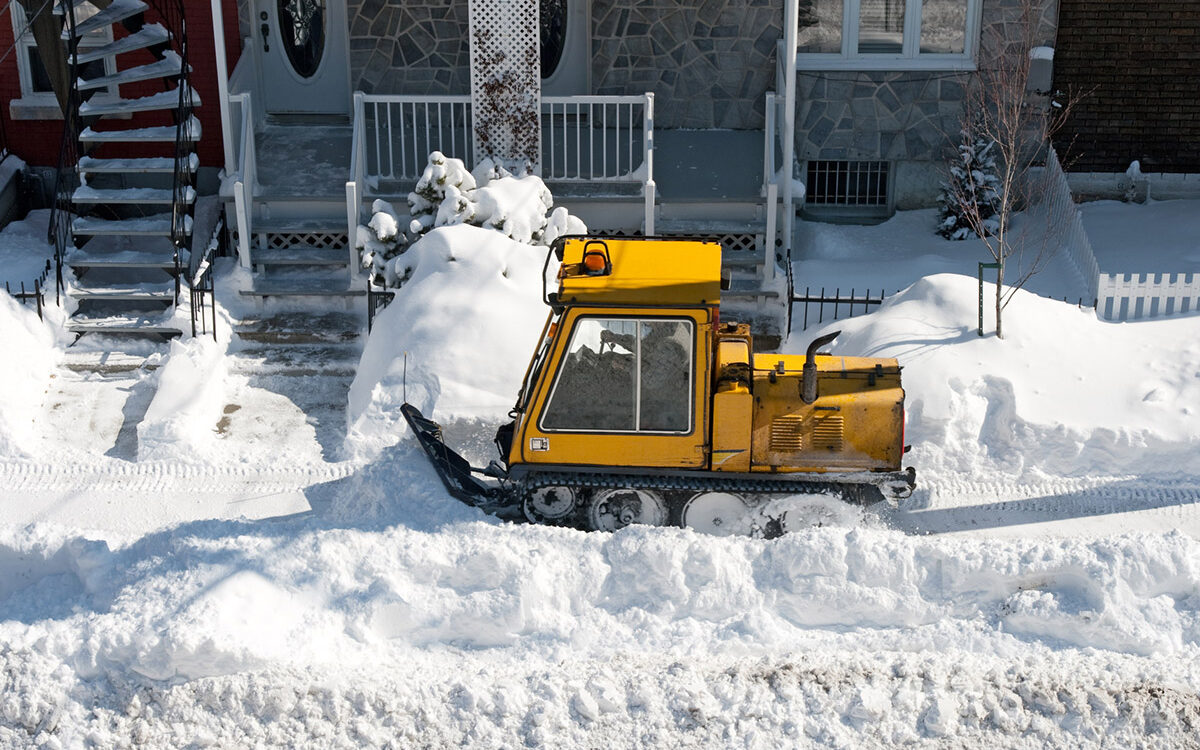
{"points": [[454, 470]]}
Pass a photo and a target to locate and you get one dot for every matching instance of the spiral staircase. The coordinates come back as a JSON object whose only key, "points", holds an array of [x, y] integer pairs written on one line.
{"points": [[125, 195]]}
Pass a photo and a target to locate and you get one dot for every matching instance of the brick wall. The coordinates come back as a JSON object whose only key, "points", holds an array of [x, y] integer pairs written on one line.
{"points": [[37, 141], [1142, 60]]}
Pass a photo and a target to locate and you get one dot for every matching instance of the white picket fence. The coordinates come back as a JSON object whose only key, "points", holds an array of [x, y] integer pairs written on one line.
{"points": [[1132, 296], [1116, 296]]}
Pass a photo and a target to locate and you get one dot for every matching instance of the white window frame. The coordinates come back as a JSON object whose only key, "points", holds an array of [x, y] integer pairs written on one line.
{"points": [[43, 105], [910, 59]]}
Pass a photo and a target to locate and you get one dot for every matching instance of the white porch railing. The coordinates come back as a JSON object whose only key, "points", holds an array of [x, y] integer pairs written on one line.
{"points": [[585, 139], [773, 172], [245, 179]]}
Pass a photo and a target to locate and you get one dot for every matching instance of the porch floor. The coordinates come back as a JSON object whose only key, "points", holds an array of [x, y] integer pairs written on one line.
{"points": [[690, 166], [303, 161]]}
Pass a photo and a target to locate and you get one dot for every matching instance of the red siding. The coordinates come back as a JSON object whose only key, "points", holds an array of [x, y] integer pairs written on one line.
{"points": [[37, 141]]}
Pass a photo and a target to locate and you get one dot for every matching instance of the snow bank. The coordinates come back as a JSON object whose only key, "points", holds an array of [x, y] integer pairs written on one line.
{"points": [[468, 319], [1063, 393], [181, 420], [488, 634], [31, 355]]}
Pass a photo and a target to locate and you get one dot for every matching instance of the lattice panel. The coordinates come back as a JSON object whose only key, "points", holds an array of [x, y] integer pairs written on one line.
{"points": [[506, 81], [319, 240]]}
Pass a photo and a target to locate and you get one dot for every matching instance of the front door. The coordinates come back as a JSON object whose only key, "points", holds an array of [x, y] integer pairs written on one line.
{"points": [[302, 55], [566, 47]]}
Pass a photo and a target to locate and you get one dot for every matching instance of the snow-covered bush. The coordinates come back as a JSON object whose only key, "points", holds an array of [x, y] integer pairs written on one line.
{"points": [[518, 206], [970, 198], [380, 240], [443, 178]]}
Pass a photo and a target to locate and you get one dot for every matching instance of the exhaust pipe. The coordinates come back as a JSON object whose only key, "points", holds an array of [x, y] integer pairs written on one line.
{"points": [[808, 386]]}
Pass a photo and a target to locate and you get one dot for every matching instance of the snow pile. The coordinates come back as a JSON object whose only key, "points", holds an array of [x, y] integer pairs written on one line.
{"points": [[188, 399], [31, 355], [1063, 393], [468, 318], [449, 632]]}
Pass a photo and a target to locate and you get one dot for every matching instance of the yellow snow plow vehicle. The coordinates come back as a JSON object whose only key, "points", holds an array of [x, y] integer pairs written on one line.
{"points": [[641, 406]]}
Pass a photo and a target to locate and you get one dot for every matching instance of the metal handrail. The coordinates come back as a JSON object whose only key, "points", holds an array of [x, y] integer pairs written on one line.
{"points": [[60, 233]]}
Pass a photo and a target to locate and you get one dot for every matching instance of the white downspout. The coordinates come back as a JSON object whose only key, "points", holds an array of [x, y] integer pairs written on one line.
{"points": [[218, 20], [791, 17]]}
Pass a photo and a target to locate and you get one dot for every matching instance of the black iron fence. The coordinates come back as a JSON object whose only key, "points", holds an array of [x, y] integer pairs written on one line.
{"points": [[36, 294], [201, 284], [834, 307], [378, 298]]}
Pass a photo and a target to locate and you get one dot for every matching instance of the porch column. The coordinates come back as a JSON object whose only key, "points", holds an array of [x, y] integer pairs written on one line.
{"points": [[506, 82], [791, 17], [218, 19]]}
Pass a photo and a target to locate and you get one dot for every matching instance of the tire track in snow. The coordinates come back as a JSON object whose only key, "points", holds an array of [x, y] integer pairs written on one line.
{"points": [[165, 476]]}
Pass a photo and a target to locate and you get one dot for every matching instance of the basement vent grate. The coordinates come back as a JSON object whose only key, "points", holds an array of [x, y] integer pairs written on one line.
{"points": [[847, 183]]}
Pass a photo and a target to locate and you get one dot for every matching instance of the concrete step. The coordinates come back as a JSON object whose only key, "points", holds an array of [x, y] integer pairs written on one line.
{"points": [[301, 256], [303, 328], [149, 196], [156, 225], [170, 66], [142, 292], [145, 165], [150, 35], [163, 134], [163, 100]]}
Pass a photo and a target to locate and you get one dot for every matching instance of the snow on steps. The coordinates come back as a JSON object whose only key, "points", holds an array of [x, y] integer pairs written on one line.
{"points": [[138, 292], [169, 67], [122, 325], [163, 134], [161, 100], [150, 35], [86, 194], [142, 165], [158, 224], [301, 256], [119, 10]]}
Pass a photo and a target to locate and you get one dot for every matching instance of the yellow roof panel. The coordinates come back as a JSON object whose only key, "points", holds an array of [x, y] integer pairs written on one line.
{"points": [[644, 271]]}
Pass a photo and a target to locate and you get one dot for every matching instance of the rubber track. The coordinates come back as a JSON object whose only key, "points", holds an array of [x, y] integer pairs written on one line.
{"points": [[748, 488]]}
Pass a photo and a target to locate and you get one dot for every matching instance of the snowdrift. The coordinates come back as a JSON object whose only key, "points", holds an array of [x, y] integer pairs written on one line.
{"points": [[468, 318], [30, 356], [1063, 393]]}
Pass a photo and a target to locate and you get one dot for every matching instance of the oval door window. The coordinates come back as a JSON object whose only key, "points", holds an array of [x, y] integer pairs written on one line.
{"points": [[302, 28], [554, 34]]}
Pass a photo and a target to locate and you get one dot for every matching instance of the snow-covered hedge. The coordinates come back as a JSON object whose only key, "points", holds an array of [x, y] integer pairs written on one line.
{"points": [[447, 194]]}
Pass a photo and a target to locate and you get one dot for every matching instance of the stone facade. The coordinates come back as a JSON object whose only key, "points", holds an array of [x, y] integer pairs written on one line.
{"points": [[708, 62], [409, 47], [1137, 63], [904, 116]]}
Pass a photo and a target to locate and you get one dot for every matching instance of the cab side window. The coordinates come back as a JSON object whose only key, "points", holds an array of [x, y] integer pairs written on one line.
{"points": [[624, 375]]}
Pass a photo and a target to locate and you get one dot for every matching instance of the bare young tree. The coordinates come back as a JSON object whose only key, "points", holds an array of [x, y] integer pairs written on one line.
{"points": [[1001, 109]]}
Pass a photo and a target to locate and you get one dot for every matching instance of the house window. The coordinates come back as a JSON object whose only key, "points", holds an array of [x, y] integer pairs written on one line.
{"points": [[624, 375], [37, 100], [847, 183], [887, 34]]}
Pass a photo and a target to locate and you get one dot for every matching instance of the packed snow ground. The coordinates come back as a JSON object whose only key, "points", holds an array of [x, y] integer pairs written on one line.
{"points": [[233, 587]]}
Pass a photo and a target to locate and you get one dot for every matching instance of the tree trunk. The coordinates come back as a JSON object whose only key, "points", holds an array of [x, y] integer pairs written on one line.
{"points": [[999, 296]]}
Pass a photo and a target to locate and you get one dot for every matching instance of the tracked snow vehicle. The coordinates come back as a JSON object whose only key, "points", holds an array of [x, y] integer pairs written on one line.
{"points": [[640, 406]]}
